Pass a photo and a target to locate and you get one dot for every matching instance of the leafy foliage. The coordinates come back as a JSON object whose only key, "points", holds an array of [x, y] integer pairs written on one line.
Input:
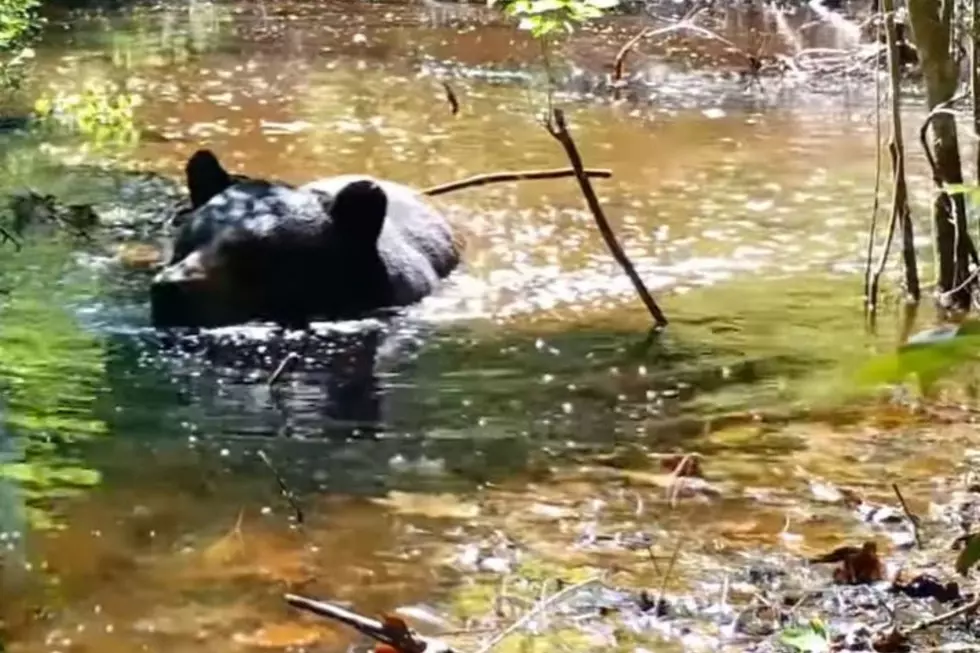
{"points": [[545, 17], [19, 22], [103, 114], [812, 638], [51, 370], [927, 358], [969, 555]]}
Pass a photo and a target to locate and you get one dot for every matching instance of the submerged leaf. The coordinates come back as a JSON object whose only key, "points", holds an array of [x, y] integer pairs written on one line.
{"points": [[810, 639], [927, 356], [969, 554]]}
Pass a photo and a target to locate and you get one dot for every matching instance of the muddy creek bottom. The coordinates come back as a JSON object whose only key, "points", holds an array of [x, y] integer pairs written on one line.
{"points": [[152, 520]]}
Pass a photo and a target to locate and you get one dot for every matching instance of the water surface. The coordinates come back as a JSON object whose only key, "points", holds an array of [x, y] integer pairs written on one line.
{"points": [[133, 491]]}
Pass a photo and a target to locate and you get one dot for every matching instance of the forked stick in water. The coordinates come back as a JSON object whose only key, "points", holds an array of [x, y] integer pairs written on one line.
{"points": [[182, 208], [557, 127], [519, 175]]}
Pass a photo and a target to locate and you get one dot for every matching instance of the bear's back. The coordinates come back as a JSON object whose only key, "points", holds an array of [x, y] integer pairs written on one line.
{"points": [[410, 224], [280, 212]]}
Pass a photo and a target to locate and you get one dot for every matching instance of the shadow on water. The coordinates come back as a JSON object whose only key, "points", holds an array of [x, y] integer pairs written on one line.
{"points": [[521, 381]]}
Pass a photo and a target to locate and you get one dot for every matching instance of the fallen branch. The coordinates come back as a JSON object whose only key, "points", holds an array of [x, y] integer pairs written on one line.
{"points": [[392, 631], [559, 130], [519, 175], [946, 616]]}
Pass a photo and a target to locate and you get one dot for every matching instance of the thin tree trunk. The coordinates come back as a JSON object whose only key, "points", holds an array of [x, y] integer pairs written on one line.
{"points": [[975, 78], [900, 199], [932, 27]]}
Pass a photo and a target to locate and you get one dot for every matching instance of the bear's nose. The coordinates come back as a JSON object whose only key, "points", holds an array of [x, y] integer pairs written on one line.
{"points": [[182, 294], [188, 303]]}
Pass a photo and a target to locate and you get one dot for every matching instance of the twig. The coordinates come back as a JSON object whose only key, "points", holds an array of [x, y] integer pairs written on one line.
{"points": [[653, 559], [283, 488], [535, 611], [943, 618], [900, 206], [518, 175], [911, 516], [451, 98], [875, 203], [900, 199], [274, 377], [872, 298], [556, 127], [678, 479], [9, 238], [686, 22], [670, 571], [966, 282]]}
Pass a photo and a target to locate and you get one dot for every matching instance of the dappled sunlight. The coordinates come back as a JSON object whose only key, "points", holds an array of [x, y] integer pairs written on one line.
{"points": [[699, 195], [160, 491]]}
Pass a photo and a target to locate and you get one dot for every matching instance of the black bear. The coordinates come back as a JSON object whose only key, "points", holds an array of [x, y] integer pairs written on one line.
{"points": [[338, 248]]}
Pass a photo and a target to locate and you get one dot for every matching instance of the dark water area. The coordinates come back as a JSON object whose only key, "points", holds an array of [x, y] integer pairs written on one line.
{"points": [[137, 511]]}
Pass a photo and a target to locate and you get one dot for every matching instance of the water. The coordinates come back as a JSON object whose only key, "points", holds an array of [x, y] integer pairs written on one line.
{"points": [[132, 489]]}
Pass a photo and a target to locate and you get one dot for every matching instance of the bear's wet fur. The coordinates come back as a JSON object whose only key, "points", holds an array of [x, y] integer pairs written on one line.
{"points": [[337, 248]]}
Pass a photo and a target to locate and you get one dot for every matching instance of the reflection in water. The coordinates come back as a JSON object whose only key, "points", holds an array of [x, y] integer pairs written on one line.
{"points": [[741, 212], [334, 373], [13, 518]]}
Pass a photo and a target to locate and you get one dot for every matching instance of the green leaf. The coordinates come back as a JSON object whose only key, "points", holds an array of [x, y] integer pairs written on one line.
{"points": [[927, 357], [971, 191], [542, 17], [603, 4], [545, 26], [544, 6], [819, 627], [518, 7], [583, 12], [969, 555], [811, 639]]}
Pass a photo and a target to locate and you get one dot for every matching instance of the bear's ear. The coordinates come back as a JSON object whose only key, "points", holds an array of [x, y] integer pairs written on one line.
{"points": [[205, 177], [358, 211]]}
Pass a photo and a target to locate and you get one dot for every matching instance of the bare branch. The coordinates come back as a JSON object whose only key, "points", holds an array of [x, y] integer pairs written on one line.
{"points": [[556, 127]]}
